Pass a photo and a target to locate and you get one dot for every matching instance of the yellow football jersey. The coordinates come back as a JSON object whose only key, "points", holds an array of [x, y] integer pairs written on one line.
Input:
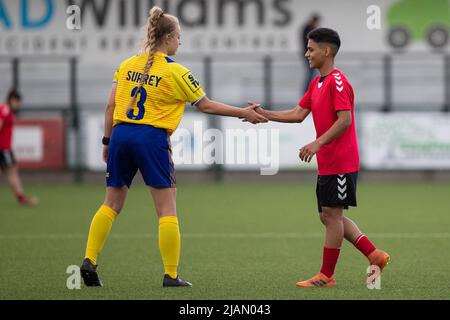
{"points": [[162, 98]]}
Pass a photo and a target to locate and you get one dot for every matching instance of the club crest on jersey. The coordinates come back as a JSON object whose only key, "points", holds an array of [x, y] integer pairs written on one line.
{"points": [[192, 83]]}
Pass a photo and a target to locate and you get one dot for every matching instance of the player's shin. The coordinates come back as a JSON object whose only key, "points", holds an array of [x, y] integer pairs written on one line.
{"points": [[334, 231], [169, 244], [351, 230], [98, 233], [334, 236]]}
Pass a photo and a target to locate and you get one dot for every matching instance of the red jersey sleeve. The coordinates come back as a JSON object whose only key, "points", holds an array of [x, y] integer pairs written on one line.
{"points": [[305, 102], [341, 92]]}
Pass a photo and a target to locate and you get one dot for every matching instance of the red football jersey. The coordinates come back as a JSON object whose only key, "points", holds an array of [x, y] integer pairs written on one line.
{"points": [[324, 98], [6, 129]]}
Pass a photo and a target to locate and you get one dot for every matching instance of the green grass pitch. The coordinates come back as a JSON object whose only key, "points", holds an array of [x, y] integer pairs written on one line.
{"points": [[239, 241]]}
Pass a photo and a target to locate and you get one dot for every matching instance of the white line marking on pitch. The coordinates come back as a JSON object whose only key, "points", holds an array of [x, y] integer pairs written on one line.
{"points": [[222, 236]]}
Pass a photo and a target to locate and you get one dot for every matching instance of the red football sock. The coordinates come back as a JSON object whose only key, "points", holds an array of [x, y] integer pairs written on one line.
{"points": [[330, 257], [20, 197], [363, 244]]}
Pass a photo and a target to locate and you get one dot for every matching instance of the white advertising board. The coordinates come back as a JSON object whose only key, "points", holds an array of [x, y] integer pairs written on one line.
{"points": [[266, 147], [405, 140], [28, 143], [92, 127]]}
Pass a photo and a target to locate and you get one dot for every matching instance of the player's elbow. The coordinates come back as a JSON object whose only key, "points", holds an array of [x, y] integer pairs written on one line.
{"points": [[347, 122], [205, 105], [345, 119], [300, 118]]}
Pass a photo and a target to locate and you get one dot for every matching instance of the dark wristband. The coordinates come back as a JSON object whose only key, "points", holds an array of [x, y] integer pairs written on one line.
{"points": [[105, 141]]}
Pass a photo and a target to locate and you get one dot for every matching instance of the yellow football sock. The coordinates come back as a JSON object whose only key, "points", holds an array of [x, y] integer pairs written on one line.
{"points": [[169, 244], [100, 226]]}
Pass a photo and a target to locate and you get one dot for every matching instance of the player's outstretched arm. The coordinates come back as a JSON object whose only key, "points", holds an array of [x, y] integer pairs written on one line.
{"points": [[296, 115], [213, 107]]}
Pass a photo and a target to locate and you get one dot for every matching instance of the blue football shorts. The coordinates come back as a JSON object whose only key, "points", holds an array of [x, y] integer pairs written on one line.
{"points": [[140, 147]]}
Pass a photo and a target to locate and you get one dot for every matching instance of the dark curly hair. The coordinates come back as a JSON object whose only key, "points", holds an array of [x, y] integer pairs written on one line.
{"points": [[328, 36]]}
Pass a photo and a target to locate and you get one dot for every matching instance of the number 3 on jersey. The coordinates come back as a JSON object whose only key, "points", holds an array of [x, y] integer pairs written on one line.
{"points": [[140, 104]]}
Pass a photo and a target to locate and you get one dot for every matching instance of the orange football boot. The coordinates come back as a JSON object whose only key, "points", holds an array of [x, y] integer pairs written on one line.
{"points": [[379, 258], [30, 201], [320, 280]]}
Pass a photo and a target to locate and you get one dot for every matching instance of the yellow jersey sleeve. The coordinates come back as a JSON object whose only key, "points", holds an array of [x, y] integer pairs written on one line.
{"points": [[186, 86]]}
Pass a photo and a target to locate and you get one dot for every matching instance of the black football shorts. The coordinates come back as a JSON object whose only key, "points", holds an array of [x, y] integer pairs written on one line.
{"points": [[7, 159], [337, 190]]}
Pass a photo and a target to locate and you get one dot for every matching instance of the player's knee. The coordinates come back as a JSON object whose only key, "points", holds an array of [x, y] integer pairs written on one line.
{"points": [[166, 208], [11, 171], [329, 216], [323, 219], [326, 218]]}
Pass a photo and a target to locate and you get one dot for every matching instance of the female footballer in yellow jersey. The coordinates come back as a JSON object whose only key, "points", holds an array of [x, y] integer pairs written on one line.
{"points": [[145, 106]]}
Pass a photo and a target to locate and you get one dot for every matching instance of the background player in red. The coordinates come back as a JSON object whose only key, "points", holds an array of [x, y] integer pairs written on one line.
{"points": [[330, 99], [7, 160]]}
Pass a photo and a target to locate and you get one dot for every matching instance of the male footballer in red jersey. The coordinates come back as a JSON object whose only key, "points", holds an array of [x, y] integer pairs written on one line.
{"points": [[330, 100], [7, 159]]}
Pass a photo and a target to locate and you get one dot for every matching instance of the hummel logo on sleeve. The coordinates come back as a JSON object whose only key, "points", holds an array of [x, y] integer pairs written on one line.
{"points": [[338, 79]]}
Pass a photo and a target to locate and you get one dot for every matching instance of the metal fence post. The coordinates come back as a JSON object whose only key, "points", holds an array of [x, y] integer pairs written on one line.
{"points": [[213, 121], [387, 63], [15, 73], [75, 113], [268, 81], [446, 107]]}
